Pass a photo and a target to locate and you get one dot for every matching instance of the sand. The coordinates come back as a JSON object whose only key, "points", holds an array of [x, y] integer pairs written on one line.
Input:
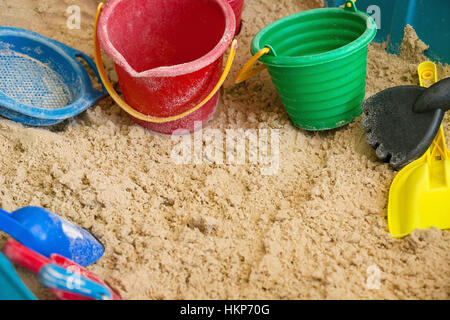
{"points": [[315, 230]]}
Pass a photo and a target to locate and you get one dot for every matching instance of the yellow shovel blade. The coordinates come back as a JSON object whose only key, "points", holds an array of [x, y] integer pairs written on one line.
{"points": [[419, 197]]}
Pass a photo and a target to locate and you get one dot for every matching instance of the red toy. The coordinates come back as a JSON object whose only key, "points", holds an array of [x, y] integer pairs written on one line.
{"points": [[238, 6], [168, 58], [33, 261]]}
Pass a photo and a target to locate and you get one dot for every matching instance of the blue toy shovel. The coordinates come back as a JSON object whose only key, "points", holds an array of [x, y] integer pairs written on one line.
{"points": [[47, 233], [11, 286], [56, 277]]}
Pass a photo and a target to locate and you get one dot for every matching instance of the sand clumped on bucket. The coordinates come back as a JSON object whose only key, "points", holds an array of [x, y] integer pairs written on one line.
{"points": [[315, 229]]}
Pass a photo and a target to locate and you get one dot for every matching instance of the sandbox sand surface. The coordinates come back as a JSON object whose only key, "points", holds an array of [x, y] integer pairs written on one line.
{"points": [[202, 231]]}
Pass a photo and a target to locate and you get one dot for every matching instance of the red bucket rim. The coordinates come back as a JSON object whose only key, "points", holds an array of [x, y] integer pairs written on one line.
{"points": [[175, 70], [232, 2]]}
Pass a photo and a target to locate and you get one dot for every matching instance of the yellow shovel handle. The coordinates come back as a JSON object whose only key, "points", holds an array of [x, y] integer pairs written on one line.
{"points": [[136, 114], [427, 72], [428, 76], [248, 70]]}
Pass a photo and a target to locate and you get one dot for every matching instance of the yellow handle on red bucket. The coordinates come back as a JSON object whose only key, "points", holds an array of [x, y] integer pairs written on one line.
{"points": [[136, 114]]}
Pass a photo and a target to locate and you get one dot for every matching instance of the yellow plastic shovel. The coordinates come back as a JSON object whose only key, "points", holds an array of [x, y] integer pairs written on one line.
{"points": [[419, 197]]}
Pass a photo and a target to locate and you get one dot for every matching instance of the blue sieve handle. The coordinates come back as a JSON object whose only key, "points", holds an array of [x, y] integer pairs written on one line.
{"points": [[85, 57], [92, 94]]}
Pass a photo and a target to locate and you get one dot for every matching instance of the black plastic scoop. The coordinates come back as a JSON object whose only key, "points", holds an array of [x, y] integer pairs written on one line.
{"points": [[403, 121]]}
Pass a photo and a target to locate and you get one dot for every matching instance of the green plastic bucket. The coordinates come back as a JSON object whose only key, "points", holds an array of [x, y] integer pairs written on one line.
{"points": [[317, 61]]}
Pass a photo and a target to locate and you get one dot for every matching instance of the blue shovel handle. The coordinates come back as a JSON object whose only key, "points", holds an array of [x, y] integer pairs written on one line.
{"points": [[12, 227], [56, 277]]}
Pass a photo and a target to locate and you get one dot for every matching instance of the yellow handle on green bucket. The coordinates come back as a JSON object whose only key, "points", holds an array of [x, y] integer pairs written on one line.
{"points": [[136, 114], [248, 70]]}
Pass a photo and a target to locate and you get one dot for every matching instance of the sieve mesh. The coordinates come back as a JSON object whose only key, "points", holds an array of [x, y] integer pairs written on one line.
{"points": [[31, 82]]}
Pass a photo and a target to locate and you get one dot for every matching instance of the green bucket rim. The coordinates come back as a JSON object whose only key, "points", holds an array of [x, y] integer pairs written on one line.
{"points": [[316, 59]]}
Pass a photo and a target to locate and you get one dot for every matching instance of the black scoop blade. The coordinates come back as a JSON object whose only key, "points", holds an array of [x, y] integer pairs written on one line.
{"points": [[398, 134]]}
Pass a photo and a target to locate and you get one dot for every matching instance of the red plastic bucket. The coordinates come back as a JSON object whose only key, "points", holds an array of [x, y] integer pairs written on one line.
{"points": [[238, 6], [168, 57]]}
